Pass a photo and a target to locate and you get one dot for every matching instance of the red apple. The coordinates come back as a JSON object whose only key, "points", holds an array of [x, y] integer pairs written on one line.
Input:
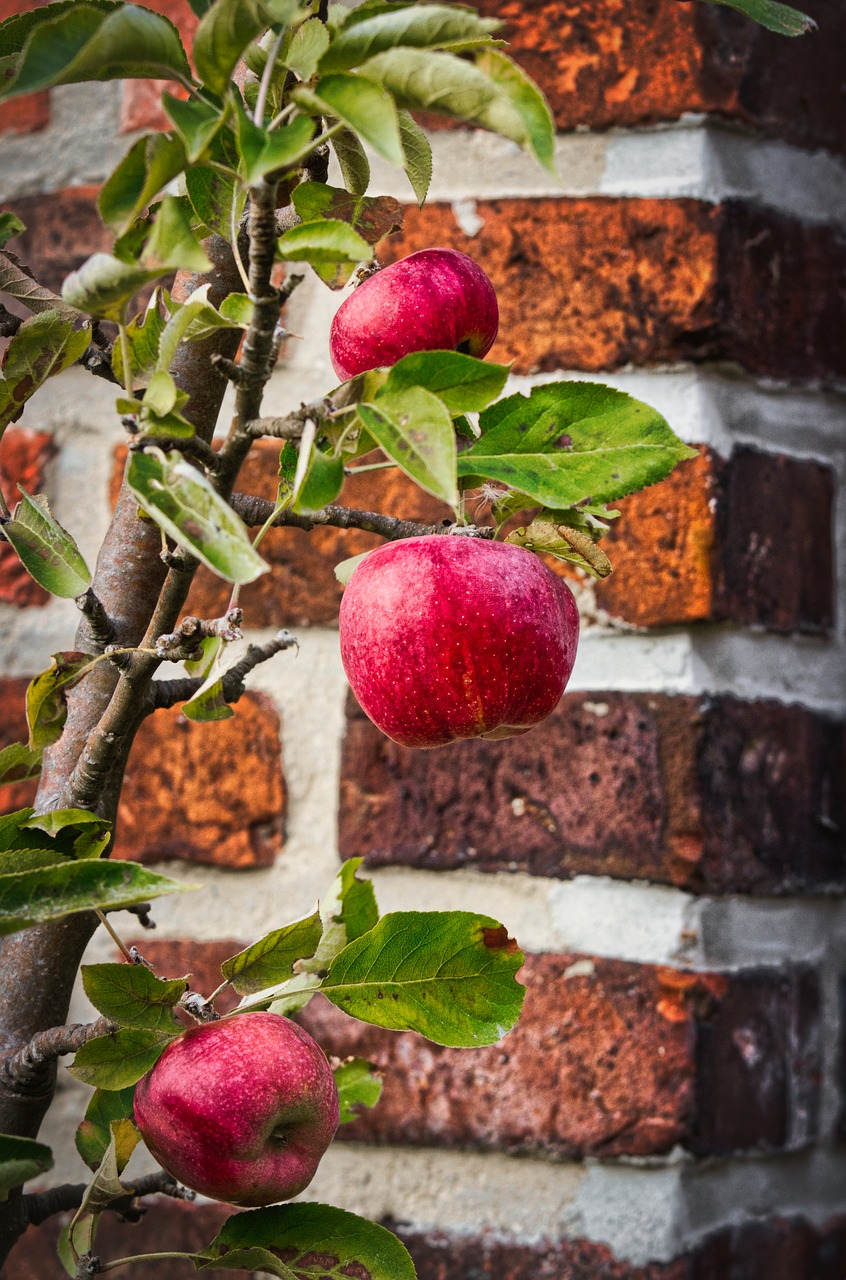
{"points": [[449, 637], [435, 300], [240, 1110]]}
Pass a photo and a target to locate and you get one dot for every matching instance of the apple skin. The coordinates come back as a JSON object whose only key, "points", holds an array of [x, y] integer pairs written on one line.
{"points": [[434, 300], [448, 637], [241, 1110]]}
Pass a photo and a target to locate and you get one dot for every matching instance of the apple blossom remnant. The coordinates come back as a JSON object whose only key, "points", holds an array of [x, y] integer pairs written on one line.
{"points": [[445, 638], [434, 300], [241, 1110]]}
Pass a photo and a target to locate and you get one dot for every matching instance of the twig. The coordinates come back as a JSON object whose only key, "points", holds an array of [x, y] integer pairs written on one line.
{"points": [[25, 1069], [101, 630], [291, 426], [99, 363], [167, 693], [42, 1205], [191, 446], [255, 511], [115, 936], [183, 644], [9, 323]]}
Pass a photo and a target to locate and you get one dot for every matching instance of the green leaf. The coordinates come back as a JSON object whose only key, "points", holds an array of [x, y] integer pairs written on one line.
{"points": [[463, 383], [308, 45], [84, 1234], [358, 1086], [34, 897], [264, 152], [420, 26], [346, 1244], [183, 502], [520, 111], [15, 280], [271, 960], [149, 165], [86, 43], [20, 1160], [371, 218], [46, 550], [414, 428], [76, 833], [448, 974], [322, 483], [571, 442], [209, 703], [172, 244], [196, 121], [352, 160], [43, 346], [216, 198], [10, 226], [45, 697], [114, 1062], [418, 156], [347, 912], [132, 996], [440, 82], [143, 335], [255, 1261], [362, 105], [345, 569], [19, 763], [161, 395], [104, 285], [318, 242], [15, 31], [210, 648], [781, 18], [222, 36], [93, 1135]]}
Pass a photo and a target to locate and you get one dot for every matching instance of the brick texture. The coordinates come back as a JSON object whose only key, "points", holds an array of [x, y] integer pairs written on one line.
{"points": [[598, 283], [608, 1059], [629, 62], [715, 795], [62, 230], [13, 728], [24, 455], [31, 113]]}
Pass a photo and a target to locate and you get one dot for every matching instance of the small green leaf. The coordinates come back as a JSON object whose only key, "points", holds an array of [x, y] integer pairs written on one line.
{"points": [[303, 1232], [161, 394], [210, 649], [323, 481], [345, 569], [34, 897], [327, 241], [362, 105], [216, 198], [104, 285], [308, 45], [270, 960], [265, 152], [358, 1086], [520, 111], [196, 121], [20, 1160], [19, 763], [43, 346], [422, 81], [183, 502], [464, 384], [225, 30], [353, 162], [143, 335], [209, 703], [781, 18], [415, 428], [419, 26], [172, 243], [93, 1135], [116, 1061], [15, 281], [149, 165], [449, 975], [46, 550], [77, 833], [45, 697], [132, 996], [10, 226], [418, 156]]}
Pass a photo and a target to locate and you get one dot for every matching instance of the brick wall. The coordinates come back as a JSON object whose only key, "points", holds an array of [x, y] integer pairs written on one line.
{"points": [[669, 847]]}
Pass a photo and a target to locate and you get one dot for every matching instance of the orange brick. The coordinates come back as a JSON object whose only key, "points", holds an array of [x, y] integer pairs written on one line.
{"points": [[24, 455]]}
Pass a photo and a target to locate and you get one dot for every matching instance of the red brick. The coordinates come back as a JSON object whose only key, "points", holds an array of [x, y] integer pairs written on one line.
{"points": [[26, 115], [13, 728], [715, 795], [63, 229], [24, 455], [598, 283], [212, 793], [608, 1058]]}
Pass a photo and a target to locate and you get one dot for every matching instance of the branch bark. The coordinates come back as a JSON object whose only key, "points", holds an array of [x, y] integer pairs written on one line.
{"points": [[40, 1206], [257, 511]]}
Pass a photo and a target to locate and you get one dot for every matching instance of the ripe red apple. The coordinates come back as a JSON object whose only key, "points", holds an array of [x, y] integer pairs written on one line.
{"points": [[449, 637], [434, 300], [240, 1110]]}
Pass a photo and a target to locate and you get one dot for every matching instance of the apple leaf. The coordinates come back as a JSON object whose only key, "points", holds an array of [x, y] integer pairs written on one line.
{"points": [[781, 18], [352, 160], [19, 763], [362, 105], [372, 219], [323, 481], [572, 442], [104, 285], [46, 550], [358, 1086], [418, 156], [225, 30], [51, 893], [216, 198], [118, 1060], [44, 345], [520, 111], [20, 1160], [172, 244], [419, 80], [307, 46], [415, 428], [28, 841], [132, 996], [196, 121], [345, 569], [262, 151], [256, 1261], [93, 1134], [464, 384], [185, 505], [46, 709], [320, 242], [421, 26], [270, 960], [308, 1235], [209, 703], [16, 280], [149, 165], [11, 226]]}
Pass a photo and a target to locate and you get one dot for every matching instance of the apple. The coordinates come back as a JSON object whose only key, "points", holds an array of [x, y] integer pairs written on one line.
{"points": [[434, 300], [240, 1110], [448, 636]]}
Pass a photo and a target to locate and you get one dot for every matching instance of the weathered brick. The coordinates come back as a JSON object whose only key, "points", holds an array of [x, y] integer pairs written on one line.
{"points": [[174, 957], [598, 283], [774, 1249], [26, 115], [608, 1058], [24, 455], [716, 795], [211, 793], [630, 62], [63, 228]]}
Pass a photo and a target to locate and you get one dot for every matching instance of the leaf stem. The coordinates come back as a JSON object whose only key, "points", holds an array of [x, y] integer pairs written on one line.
{"points": [[267, 76], [141, 1257], [115, 937], [125, 358]]}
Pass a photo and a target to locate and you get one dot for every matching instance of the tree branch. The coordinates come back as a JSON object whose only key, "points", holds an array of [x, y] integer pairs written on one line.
{"points": [[257, 511], [40, 1206], [101, 629], [25, 1070], [167, 693]]}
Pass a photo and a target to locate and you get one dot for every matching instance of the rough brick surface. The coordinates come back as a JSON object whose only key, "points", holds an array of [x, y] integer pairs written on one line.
{"points": [[628, 62], [24, 454], [598, 283], [26, 115], [62, 230], [210, 793], [719, 795], [609, 1058]]}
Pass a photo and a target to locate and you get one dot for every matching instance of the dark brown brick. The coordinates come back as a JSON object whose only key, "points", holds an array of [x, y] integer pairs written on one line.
{"points": [[24, 455], [608, 1058], [715, 795], [776, 1249], [211, 793], [63, 229], [619, 281]]}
